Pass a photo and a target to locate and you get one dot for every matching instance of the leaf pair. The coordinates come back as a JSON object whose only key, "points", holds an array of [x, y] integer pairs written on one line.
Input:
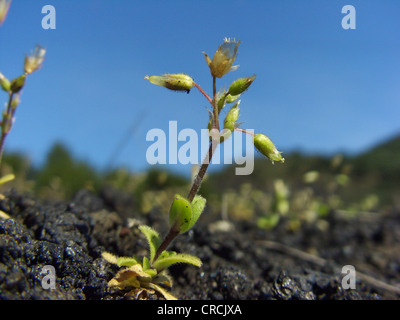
{"points": [[166, 258], [183, 214]]}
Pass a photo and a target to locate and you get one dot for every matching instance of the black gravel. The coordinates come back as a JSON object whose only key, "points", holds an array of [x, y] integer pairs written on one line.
{"points": [[240, 261]]}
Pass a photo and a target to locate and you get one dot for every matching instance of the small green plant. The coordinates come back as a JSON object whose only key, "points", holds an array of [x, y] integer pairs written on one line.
{"points": [[150, 273], [279, 207], [13, 88]]}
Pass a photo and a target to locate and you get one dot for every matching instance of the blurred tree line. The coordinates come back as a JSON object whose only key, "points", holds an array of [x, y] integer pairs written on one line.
{"points": [[305, 183]]}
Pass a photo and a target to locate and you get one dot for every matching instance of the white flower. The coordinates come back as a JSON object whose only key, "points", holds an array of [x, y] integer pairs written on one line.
{"points": [[35, 60], [223, 58]]}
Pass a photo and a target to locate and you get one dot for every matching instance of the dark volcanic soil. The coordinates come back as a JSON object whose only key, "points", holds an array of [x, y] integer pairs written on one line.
{"points": [[240, 261]]}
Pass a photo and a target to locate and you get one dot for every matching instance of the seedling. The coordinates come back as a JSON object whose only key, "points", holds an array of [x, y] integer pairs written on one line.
{"points": [[149, 274]]}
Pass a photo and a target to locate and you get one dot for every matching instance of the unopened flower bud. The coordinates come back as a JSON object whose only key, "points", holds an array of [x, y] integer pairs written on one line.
{"points": [[223, 58], [17, 84], [4, 83], [267, 148], [178, 82], [240, 85]]}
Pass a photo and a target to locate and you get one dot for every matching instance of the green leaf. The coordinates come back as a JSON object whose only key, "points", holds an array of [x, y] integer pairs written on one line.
{"points": [[166, 262], [269, 222], [230, 98], [126, 261], [221, 101], [198, 205], [153, 238], [166, 253], [151, 272], [146, 264], [7, 178]]}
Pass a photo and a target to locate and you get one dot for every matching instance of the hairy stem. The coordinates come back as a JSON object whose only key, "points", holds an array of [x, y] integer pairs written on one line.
{"points": [[215, 106], [202, 171], [173, 233], [213, 145], [245, 131], [203, 92]]}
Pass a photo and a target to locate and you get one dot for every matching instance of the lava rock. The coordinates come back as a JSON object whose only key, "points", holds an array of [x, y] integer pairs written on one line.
{"points": [[69, 237]]}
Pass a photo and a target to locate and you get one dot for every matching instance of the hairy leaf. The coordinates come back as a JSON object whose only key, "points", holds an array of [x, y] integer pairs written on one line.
{"points": [[198, 205], [126, 261], [153, 238], [146, 263], [165, 254], [109, 257], [166, 262]]}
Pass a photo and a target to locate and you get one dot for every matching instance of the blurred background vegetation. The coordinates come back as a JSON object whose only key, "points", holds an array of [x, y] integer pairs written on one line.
{"points": [[304, 189]]}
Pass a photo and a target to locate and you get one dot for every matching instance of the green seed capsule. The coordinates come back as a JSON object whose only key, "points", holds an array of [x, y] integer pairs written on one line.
{"points": [[267, 148], [230, 121], [180, 214], [17, 84], [240, 85], [178, 82], [232, 117]]}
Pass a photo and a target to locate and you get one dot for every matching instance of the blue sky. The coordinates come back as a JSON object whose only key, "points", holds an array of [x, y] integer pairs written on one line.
{"points": [[319, 88]]}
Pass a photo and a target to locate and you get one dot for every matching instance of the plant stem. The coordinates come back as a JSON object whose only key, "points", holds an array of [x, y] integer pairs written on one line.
{"points": [[200, 175], [5, 125], [213, 145], [173, 233], [215, 106], [244, 131], [203, 92]]}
